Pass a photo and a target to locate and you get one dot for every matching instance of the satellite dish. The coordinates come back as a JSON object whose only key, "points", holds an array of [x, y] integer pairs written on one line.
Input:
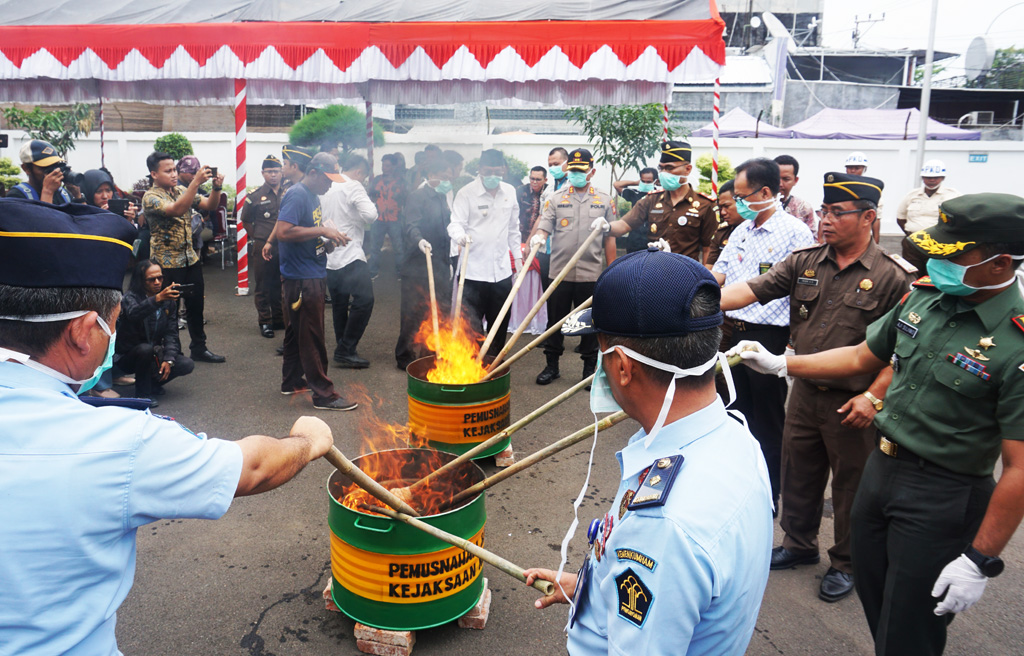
{"points": [[778, 30], [755, 22], [979, 57]]}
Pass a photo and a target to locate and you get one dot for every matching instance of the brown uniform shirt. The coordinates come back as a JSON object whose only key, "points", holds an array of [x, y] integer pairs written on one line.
{"points": [[719, 241], [687, 226], [830, 308], [259, 214]]}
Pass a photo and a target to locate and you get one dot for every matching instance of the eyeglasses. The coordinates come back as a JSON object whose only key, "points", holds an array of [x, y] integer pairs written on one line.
{"points": [[154, 278], [825, 211], [738, 197]]}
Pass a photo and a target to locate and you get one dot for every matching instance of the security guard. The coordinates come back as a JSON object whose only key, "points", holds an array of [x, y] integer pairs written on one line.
{"points": [[925, 535], [836, 290], [668, 574], [77, 482], [259, 215], [680, 214], [570, 215]]}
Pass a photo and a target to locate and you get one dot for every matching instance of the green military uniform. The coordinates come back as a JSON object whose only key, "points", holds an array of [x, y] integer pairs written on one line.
{"points": [[688, 226], [957, 393]]}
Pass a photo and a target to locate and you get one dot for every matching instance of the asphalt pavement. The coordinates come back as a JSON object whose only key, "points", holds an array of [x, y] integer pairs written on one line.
{"points": [[250, 583]]}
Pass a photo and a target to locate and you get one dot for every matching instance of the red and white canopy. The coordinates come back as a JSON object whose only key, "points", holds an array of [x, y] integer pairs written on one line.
{"points": [[571, 62]]}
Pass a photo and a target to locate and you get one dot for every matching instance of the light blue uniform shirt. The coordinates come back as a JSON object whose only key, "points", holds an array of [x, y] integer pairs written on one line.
{"points": [[696, 566], [76, 482]]}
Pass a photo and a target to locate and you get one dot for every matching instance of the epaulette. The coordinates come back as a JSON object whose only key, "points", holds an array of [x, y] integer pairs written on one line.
{"points": [[924, 282], [123, 402], [658, 483], [704, 196], [807, 248], [1018, 321], [900, 261]]}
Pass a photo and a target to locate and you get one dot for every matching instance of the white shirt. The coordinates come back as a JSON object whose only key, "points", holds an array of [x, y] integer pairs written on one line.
{"points": [[921, 210], [348, 208], [492, 222]]}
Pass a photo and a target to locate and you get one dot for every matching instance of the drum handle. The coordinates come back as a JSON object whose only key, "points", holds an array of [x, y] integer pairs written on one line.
{"points": [[452, 389], [391, 525]]}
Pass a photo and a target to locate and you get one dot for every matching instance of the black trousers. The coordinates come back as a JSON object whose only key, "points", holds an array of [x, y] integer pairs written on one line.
{"points": [[762, 398], [482, 300], [194, 299], [266, 277], [142, 361], [565, 297], [416, 309], [545, 267], [909, 520], [305, 353], [351, 305]]}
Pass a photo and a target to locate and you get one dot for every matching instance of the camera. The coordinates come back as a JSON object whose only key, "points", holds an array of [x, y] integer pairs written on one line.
{"points": [[70, 177]]}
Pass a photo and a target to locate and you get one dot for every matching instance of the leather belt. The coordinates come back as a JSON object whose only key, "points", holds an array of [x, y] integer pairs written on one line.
{"points": [[744, 326]]}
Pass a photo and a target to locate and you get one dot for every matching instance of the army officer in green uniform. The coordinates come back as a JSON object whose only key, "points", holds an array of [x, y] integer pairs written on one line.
{"points": [[928, 521]]}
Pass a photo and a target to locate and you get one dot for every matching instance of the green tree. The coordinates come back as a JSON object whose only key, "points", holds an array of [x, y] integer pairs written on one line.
{"points": [[174, 144], [624, 137], [58, 127], [10, 174], [1007, 71], [919, 73], [516, 169], [334, 125], [725, 171]]}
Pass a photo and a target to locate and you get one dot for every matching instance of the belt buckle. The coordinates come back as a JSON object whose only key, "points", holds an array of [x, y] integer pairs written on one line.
{"points": [[822, 388], [740, 326], [888, 447]]}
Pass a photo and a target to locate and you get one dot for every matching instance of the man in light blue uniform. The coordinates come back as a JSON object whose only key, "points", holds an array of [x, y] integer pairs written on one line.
{"points": [[77, 481], [680, 562]]}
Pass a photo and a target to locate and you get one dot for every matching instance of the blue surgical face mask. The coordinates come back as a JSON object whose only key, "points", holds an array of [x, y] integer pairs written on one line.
{"points": [[491, 181], [645, 187], [578, 179], [556, 172], [443, 187], [748, 212], [669, 181], [83, 385], [601, 399], [949, 276]]}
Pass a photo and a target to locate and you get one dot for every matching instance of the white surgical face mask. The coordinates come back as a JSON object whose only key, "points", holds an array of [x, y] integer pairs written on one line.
{"points": [[82, 385]]}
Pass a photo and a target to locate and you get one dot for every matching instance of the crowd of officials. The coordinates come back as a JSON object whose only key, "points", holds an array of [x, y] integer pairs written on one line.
{"points": [[897, 376]]}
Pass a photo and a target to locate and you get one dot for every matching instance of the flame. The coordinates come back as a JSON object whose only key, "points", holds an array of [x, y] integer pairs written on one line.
{"points": [[455, 349], [384, 459]]}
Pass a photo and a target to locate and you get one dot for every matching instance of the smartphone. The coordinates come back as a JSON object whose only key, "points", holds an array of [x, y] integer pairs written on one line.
{"points": [[213, 171], [118, 205], [186, 289]]}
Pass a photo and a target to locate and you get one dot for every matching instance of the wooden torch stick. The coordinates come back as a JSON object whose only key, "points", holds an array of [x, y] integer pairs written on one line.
{"points": [[508, 303], [594, 234], [488, 443], [535, 457], [513, 570], [360, 478], [433, 295], [494, 371], [463, 260]]}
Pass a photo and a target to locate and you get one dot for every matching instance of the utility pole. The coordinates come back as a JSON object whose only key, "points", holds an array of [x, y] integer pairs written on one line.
{"points": [[869, 21], [926, 90]]}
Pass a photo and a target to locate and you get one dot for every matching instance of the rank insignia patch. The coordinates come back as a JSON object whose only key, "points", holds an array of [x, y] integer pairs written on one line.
{"points": [[635, 598], [654, 490], [1019, 321]]}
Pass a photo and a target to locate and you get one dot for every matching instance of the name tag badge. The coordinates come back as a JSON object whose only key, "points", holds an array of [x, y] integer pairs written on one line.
{"points": [[657, 211], [807, 281], [906, 328], [763, 267]]}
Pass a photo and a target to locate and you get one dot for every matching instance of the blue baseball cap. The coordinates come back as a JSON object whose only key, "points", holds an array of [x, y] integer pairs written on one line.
{"points": [[647, 294]]}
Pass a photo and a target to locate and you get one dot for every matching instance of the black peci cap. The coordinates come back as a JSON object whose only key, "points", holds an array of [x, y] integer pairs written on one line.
{"points": [[841, 187], [675, 151], [292, 153], [271, 162]]}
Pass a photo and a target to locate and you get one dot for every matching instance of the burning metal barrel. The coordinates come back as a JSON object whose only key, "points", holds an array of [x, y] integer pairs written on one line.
{"points": [[390, 575], [455, 417]]}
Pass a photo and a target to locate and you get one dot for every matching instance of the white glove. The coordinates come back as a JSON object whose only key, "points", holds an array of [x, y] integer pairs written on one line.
{"points": [[963, 584], [663, 245], [759, 358], [600, 223], [425, 247], [537, 240], [463, 239]]}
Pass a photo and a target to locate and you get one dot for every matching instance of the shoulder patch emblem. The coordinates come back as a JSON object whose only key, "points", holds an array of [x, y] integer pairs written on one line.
{"points": [[1018, 321], [901, 262], [635, 598], [924, 281], [636, 557], [654, 491]]}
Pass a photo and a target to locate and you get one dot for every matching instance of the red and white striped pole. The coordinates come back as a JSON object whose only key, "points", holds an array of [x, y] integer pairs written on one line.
{"points": [[664, 136], [242, 239], [103, 154], [369, 135], [714, 138]]}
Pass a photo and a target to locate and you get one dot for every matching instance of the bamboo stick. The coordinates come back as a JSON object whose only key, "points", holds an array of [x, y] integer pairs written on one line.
{"points": [[536, 457], [463, 260], [494, 371], [363, 480], [508, 303], [433, 294], [547, 293], [488, 557]]}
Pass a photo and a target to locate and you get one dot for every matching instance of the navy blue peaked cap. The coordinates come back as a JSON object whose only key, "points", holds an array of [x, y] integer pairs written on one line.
{"points": [[44, 245]]}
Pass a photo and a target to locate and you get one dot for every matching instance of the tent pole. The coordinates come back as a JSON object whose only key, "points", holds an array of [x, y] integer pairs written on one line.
{"points": [[369, 135], [926, 91], [103, 153], [714, 137], [242, 240], [664, 136]]}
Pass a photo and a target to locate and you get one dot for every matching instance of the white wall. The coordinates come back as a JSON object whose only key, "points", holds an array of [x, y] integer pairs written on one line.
{"points": [[891, 161]]}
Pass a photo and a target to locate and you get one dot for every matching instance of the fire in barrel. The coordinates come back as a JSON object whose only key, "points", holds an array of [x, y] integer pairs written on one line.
{"points": [[390, 575], [448, 405]]}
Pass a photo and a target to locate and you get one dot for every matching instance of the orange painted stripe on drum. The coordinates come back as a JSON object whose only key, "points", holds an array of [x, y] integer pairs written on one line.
{"points": [[379, 576], [459, 424]]}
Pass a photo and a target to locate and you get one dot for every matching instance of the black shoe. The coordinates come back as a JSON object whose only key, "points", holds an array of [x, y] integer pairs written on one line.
{"points": [[279, 350], [266, 330], [340, 403], [835, 585], [207, 356], [783, 558], [351, 361], [588, 370], [549, 374], [153, 403]]}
